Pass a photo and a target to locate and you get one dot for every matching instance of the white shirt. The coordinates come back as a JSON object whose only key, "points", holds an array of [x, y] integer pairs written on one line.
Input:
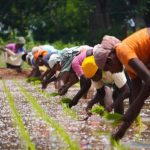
{"points": [[119, 79], [15, 60]]}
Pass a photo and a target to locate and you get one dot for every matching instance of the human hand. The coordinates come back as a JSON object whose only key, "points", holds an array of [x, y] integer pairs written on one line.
{"points": [[109, 108], [63, 90], [44, 85]]}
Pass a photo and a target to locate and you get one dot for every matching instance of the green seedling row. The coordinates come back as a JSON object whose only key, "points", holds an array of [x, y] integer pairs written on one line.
{"points": [[40, 111], [18, 120], [67, 110], [115, 118]]}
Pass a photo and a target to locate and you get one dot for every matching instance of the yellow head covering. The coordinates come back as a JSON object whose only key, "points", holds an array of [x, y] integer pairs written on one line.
{"points": [[89, 67]]}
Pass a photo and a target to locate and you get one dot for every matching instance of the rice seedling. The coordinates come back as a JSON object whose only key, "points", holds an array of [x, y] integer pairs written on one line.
{"points": [[41, 113], [69, 112], [18, 120], [33, 79], [64, 102], [98, 110], [117, 146]]}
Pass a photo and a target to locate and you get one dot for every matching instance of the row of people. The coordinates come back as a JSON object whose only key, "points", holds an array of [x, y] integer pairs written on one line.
{"points": [[92, 63], [78, 64], [121, 65]]}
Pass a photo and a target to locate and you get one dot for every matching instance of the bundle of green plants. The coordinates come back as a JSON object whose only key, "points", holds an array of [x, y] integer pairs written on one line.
{"points": [[114, 117], [97, 109], [65, 100], [116, 145], [34, 79], [53, 94]]}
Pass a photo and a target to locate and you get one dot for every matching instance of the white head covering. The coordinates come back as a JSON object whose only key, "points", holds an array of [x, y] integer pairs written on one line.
{"points": [[54, 58], [29, 57], [35, 49]]}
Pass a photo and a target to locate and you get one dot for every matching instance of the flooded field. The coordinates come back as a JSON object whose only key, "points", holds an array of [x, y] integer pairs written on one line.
{"points": [[32, 119]]}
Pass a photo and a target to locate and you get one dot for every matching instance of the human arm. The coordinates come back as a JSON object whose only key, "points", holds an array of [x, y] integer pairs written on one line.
{"points": [[100, 93], [72, 79], [124, 93], [134, 109], [9, 51], [121, 91], [85, 84], [48, 78]]}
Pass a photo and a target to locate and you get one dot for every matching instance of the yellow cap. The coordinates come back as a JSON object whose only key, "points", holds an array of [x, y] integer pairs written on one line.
{"points": [[89, 67]]}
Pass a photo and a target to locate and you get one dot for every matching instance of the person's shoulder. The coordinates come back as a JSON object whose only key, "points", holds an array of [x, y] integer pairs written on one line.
{"points": [[10, 44]]}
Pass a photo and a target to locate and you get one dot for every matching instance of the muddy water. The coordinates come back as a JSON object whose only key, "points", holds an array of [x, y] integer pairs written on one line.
{"points": [[92, 134]]}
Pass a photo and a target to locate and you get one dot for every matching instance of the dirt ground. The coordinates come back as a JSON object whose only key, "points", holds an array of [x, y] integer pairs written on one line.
{"points": [[10, 73], [24, 108]]}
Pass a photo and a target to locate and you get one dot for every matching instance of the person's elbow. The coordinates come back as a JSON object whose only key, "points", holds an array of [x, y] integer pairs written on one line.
{"points": [[125, 91], [147, 84]]}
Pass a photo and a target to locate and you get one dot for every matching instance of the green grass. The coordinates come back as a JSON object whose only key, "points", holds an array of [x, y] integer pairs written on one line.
{"points": [[41, 112], [18, 120]]}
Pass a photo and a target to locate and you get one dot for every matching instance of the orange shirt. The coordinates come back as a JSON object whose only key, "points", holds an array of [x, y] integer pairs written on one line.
{"points": [[40, 53], [136, 45]]}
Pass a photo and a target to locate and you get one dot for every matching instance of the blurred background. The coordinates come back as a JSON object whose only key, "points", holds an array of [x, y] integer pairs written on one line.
{"points": [[70, 22]]}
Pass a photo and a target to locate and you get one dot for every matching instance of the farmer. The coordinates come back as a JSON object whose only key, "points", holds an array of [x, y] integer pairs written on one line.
{"points": [[85, 83], [134, 54], [41, 56], [29, 58], [13, 54], [100, 80], [62, 63]]}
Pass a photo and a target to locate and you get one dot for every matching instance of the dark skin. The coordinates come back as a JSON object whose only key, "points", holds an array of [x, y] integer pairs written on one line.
{"points": [[40, 62], [68, 78], [100, 93], [141, 83], [118, 96], [85, 84], [49, 75]]}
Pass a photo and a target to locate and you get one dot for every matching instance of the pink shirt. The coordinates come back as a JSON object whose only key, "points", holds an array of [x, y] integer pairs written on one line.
{"points": [[77, 62]]}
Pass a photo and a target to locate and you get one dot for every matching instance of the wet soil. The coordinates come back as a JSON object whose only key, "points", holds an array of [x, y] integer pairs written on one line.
{"points": [[92, 134]]}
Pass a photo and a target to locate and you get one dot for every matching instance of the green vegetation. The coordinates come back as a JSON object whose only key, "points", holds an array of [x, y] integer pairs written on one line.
{"points": [[65, 100], [36, 80], [41, 112], [62, 20], [18, 120], [98, 110], [116, 145], [115, 118], [69, 111]]}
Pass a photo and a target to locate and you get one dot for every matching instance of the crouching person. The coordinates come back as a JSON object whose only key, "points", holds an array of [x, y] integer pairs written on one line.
{"points": [[29, 58], [103, 95], [134, 53], [62, 63], [13, 54]]}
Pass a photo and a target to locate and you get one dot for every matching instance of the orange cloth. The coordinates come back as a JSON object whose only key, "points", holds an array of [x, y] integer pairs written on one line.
{"points": [[40, 53], [136, 45]]}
